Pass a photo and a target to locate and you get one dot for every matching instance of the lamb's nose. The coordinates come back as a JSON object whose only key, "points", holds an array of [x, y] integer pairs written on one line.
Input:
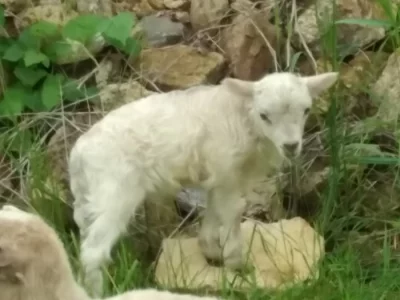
{"points": [[291, 148]]}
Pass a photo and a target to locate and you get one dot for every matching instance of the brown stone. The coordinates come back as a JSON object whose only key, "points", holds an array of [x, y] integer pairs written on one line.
{"points": [[57, 14], [100, 7], [115, 95], [157, 4], [252, 46], [180, 66], [177, 4], [205, 14]]}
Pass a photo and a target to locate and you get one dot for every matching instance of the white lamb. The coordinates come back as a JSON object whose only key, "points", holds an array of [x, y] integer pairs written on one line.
{"points": [[35, 266], [221, 138]]}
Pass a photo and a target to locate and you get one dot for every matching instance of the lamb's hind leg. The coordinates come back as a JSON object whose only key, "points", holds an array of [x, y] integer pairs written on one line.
{"points": [[220, 234], [102, 218]]}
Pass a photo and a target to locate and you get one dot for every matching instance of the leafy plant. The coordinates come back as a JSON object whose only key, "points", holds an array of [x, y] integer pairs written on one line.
{"points": [[29, 59]]}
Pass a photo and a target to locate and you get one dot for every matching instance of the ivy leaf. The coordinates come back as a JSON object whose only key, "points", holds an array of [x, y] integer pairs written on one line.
{"points": [[5, 43], [14, 52], [39, 33], [34, 102], [21, 141], [2, 16], [45, 30], [13, 99], [29, 76], [91, 93], [51, 91], [28, 40], [33, 57], [118, 29], [132, 47], [58, 51], [83, 27], [71, 90]]}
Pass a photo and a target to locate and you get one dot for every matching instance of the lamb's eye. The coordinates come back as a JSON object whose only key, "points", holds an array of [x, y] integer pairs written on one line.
{"points": [[265, 118], [307, 111]]}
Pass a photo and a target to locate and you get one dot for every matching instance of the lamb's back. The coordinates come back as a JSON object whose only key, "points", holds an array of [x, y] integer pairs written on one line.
{"points": [[168, 118], [184, 131]]}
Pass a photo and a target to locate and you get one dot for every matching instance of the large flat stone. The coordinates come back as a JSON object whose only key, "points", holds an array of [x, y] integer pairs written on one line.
{"points": [[280, 253]]}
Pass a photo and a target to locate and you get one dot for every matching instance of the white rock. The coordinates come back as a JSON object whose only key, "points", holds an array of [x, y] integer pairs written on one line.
{"points": [[312, 21], [387, 89], [294, 249]]}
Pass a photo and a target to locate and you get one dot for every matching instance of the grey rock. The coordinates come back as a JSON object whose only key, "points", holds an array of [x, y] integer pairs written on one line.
{"points": [[161, 30], [191, 200]]}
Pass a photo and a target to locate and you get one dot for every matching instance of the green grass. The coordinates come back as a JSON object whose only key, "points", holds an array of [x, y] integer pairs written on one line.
{"points": [[347, 272]]}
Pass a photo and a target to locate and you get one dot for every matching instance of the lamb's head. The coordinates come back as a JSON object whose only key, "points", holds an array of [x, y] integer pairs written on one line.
{"points": [[31, 255], [280, 105]]}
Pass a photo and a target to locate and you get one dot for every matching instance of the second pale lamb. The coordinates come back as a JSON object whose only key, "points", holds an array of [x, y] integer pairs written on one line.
{"points": [[34, 264], [220, 138]]}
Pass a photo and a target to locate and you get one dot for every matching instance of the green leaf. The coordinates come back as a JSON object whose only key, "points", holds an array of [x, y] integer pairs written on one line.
{"points": [[2, 16], [51, 92], [28, 40], [58, 50], [293, 61], [132, 47], [14, 53], [5, 43], [33, 57], [92, 93], [83, 27], [118, 29], [34, 102], [372, 160], [12, 102], [114, 42], [21, 141], [45, 30], [39, 33], [72, 92], [365, 22], [29, 76]]}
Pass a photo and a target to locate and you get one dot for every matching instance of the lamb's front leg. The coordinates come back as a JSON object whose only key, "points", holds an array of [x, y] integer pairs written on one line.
{"points": [[220, 234]]}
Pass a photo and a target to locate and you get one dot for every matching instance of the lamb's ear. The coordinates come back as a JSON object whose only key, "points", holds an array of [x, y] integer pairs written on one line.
{"points": [[319, 83], [242, 87]]}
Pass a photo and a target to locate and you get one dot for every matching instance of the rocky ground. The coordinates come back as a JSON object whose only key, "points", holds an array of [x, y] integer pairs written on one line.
{"points": [[347, 175]]}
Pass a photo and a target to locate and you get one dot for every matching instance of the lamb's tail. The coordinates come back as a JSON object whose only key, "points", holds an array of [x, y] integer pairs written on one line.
{"points": [[78, 183], [75, 170]]}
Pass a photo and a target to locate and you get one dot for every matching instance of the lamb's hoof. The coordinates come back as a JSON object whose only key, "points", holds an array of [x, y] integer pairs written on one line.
{"points": [[211, 250], [234, 262], [244, 270], [214, 262]]}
